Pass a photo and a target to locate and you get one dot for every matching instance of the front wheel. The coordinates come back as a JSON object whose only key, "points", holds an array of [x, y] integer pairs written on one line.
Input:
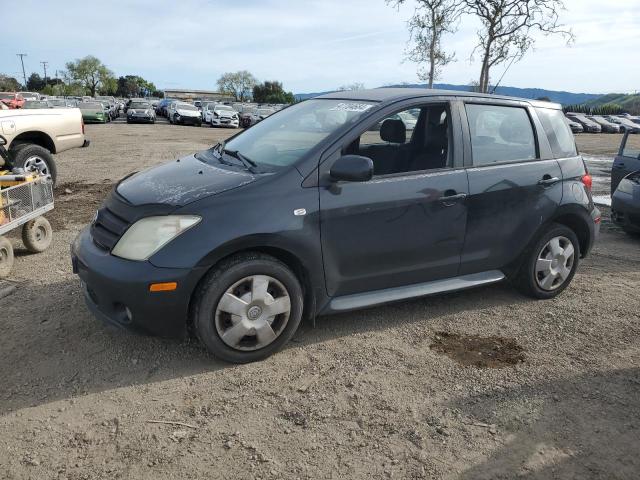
{"points": [[37, 235], [34, 158], [549, 266], [247, 308]]}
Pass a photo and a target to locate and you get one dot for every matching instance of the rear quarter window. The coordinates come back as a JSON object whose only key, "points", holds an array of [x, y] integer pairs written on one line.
{"points": [[558, 132]]}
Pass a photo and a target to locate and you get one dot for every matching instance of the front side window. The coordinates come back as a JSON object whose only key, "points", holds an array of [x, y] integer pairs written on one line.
{"points": [[282, 139], [558, 132], [410, 140], [632, 146], [500, 134]]}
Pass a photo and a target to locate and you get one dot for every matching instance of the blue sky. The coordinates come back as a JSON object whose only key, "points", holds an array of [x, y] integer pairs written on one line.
{"points": [[309, 45]]}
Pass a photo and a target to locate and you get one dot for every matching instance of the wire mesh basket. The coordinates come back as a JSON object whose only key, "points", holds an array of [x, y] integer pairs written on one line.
{"points": [[24, 202]]}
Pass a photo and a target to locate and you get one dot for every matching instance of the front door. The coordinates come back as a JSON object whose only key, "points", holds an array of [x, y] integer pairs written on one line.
{"points": [[407, 224]]}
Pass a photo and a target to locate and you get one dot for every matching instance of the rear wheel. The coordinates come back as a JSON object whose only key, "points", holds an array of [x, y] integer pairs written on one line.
{"points": [[34, 158], [37, 235], [248, 308], [6, 257], [549, 266]]}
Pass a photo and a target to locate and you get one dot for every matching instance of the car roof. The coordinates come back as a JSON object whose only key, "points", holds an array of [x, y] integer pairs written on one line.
{"points": [[393, 94]]}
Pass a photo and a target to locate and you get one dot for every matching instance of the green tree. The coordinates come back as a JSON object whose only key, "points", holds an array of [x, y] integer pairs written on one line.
{"points": [[271, 92], [135, 86], [89, 72], [239, 84], [35, 82], [9, 84]]}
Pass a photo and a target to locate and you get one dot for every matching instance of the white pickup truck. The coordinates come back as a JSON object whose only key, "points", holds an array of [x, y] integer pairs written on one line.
{"points": [[33, 136]]}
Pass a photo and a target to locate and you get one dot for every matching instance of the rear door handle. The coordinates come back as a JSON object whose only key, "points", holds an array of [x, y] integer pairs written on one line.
{"points": [[451, 200], [548, 180]]}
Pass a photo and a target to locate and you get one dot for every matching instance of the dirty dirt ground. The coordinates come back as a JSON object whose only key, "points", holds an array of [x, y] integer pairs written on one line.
{"points": [[390, 392]]}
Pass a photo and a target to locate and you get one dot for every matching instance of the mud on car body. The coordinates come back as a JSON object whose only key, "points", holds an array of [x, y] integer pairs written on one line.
{"points": [[332, 205]]}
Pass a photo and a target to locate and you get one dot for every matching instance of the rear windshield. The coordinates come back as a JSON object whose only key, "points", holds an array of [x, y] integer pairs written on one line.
{"points": [[558, 132], [90, 106]]}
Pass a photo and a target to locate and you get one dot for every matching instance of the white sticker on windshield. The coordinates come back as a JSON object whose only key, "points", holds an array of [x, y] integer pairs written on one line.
{"points": [[352, 107]]}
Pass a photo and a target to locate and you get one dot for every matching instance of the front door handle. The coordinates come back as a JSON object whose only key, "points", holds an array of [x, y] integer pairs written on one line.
{"points": [[451, 200], [548, 180]]}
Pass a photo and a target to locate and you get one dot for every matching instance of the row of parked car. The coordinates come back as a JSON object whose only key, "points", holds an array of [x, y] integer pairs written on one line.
{"points": [[214, 113], [580, 123]]}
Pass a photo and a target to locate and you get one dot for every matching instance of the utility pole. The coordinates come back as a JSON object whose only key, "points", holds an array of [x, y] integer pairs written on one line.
{"points": [[44, 65], [24, 75]]}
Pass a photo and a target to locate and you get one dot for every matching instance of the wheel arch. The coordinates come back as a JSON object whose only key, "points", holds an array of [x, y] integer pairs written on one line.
{"points": [[578, 222], [35, 137], [289, 256]]}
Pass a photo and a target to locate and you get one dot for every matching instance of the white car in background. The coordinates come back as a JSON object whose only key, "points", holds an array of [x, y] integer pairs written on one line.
{"points": [[219, 115], [184, 113]]}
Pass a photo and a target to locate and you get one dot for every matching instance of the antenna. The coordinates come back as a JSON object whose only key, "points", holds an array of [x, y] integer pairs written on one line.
{"points": [[24, 75]]}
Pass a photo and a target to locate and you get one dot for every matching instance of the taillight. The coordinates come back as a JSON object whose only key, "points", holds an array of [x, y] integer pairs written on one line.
{"points": [[587, 181]]}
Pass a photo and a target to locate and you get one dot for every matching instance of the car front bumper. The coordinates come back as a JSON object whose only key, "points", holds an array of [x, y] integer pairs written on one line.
{"points": [[625, 211], [140, 118], [117, 290], [223, 122], [188, 120]]}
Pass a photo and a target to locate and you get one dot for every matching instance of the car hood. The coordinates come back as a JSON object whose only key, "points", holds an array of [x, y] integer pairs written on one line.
{"points": [[181, 182], [225, 113], [188, 113]]}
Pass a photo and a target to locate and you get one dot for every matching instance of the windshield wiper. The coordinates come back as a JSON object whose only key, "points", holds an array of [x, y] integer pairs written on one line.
{"points": [[250, 164]]}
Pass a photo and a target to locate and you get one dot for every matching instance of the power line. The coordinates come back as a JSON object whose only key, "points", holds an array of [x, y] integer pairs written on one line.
{"points": [[24, 75]]}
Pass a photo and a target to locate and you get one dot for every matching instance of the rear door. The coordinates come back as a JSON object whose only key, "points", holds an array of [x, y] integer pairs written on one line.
{"points": [[515, 184], [628, 158]]}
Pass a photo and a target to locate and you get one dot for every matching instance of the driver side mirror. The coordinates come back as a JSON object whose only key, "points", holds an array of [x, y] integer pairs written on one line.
{"points": [[352, 168]]}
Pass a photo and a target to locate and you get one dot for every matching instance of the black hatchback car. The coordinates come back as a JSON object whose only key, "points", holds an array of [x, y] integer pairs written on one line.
{"points": [[335, 204], [625, 183]]}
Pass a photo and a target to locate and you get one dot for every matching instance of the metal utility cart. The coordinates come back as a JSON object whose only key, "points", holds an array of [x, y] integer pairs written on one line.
{"points": [[24, 198]]}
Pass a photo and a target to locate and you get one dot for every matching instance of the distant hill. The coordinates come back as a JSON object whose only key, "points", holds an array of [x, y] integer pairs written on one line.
{"points": [[629, 103], [565, 98]]}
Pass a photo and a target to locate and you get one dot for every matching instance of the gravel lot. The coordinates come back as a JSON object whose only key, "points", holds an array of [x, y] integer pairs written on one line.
{"points": [[392, 392]]}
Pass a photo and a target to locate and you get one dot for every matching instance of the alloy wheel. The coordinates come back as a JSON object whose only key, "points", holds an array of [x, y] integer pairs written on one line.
{"points": [[554, 263], [36, 164], [252, 313]]}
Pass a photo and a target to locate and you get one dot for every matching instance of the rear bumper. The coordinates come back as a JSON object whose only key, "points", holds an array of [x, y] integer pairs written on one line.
{"points": [[117, 290]]}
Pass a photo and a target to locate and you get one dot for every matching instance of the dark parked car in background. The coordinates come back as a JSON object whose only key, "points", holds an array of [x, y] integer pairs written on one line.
{"points": [[329, 206], [606, 125], [625, 184], [141, 112], [589, 125]]}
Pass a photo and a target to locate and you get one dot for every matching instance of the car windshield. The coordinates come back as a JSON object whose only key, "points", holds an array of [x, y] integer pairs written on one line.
{"points": [[90, 106], [225, 108], [186, 106], [139, 105], [282, 139], [58, 103], [7, 95]]}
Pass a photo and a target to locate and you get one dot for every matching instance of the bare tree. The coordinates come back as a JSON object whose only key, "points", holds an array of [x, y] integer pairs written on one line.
{"points": [[239, 84], [431, 20], [352, 86], [508, 27]]}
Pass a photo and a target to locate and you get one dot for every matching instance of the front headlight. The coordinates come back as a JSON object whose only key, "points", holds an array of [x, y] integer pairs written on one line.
{"points": [[147, 112], [626, 186], [132, 112], [148, 235]]}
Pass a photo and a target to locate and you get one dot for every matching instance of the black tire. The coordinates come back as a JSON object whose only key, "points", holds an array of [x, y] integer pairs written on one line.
{"points": [[6, 257], [34, 156], [215, 285], [37, 235], [526, 279]]}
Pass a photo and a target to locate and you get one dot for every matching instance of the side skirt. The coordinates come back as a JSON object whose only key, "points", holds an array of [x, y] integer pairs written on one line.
{"points": [[379, 297]]}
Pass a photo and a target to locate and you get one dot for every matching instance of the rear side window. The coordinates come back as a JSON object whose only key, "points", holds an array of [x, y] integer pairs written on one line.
{"points": [[558, 132], [500, 134], [632, 146]]}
